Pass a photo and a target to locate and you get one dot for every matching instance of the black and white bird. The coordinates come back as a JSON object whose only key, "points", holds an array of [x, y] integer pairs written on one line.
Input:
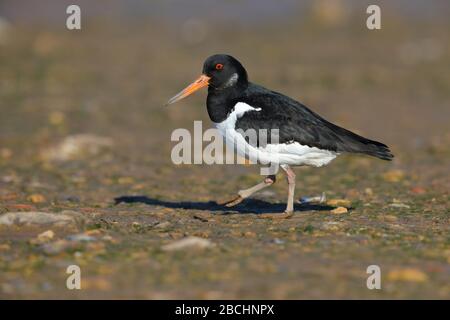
{"points": [[303, 138]]}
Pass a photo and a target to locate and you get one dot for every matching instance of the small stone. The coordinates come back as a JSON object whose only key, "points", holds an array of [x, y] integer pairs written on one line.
{"points": [[64, 218], [96, 283], [8, 196], [236, 233], [79, 146], [394, 176], [108, 238], [201, 234], [36, 198], [314, 199], [56, 247], [70, 198], [93, 232], [81, 237], [56, 118], [5, 153], [353, 193], [390, 218], [407, 274], [20, 206], [368, 191], [339, 210], [418, 190], [399, 205], [10, 178], [125, 180], [188, 243], [332, 225], [202, 216], [278, 241], [139, 186], [176, 235], [45, 236], [162, 225], [339, 202], [250, 234]]}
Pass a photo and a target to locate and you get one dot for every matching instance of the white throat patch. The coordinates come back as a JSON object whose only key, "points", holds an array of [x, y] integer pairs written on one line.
{"points": [[232, 81]]}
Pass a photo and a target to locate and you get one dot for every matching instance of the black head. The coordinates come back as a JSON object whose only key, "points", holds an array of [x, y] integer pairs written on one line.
{"points": [[224, 71], [220, 72]]}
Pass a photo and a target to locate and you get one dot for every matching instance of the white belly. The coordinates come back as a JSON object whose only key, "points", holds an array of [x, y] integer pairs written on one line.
{"points": [[293, 154]]}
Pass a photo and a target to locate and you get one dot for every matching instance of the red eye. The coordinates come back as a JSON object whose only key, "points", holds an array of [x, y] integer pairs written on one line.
{"points": [[219, 66]]}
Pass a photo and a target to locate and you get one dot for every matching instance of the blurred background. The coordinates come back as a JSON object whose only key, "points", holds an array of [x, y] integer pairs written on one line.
{"points": [[82, 121]]}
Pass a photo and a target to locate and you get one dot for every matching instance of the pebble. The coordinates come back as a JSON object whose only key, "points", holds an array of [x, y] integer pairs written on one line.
{"points": [[407, 274], [399, 205], [4, 247], [8, 196], [278, 241], [56, 118], [250, 234], [70, 242], [70, 198], [188, 243], [418, 190], [390, 218], [394, 176], [41, 218], [93, 232], [108, 238], [332, 225], [5, 153], [81, 237], [77, 147], [20, 206], [162, 225], [125, 180], [56, 247], [203, 216], [43, 237], [339, 210], [314, 199], [36, 198], [339, 202]]}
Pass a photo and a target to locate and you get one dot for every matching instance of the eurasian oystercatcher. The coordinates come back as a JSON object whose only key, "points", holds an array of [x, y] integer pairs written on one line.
{"points": [[303, 137]]}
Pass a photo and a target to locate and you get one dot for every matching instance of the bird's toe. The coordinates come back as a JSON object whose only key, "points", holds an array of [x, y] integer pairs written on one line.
{"points": [[231, 202], [284, 215]]}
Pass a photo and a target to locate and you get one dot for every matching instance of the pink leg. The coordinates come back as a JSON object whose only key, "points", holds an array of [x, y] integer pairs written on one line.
{"points": [[290, 175], [243, 194]]}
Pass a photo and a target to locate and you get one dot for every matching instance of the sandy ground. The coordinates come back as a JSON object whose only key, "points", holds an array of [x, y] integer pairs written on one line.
{"points": [[126, 201]]}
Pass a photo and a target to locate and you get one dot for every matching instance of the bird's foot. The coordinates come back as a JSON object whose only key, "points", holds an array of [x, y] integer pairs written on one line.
{"points": [[231, 202], [284, 215]]}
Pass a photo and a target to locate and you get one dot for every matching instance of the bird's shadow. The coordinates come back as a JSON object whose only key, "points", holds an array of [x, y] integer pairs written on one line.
{"points": [[254, 206]]}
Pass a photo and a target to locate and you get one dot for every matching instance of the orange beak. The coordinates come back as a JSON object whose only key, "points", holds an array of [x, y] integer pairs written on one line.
{"points": [[201, 82]]}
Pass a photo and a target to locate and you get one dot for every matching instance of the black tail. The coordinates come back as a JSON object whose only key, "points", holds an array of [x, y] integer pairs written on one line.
{"points": [[377, 149], [352, 142]]}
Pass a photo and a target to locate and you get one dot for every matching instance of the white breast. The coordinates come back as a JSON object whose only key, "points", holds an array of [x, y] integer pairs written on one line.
{"points": [[294, 153]]}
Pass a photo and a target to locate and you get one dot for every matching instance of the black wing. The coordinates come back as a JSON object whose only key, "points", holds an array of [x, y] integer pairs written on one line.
{"points": [[296, 123]]}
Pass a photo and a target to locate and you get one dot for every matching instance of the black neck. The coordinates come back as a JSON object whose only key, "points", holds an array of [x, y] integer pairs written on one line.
{"points": [[220, 102]]}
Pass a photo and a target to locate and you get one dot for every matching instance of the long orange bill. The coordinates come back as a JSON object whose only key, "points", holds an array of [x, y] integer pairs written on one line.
{"points": [[201, 82]]}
